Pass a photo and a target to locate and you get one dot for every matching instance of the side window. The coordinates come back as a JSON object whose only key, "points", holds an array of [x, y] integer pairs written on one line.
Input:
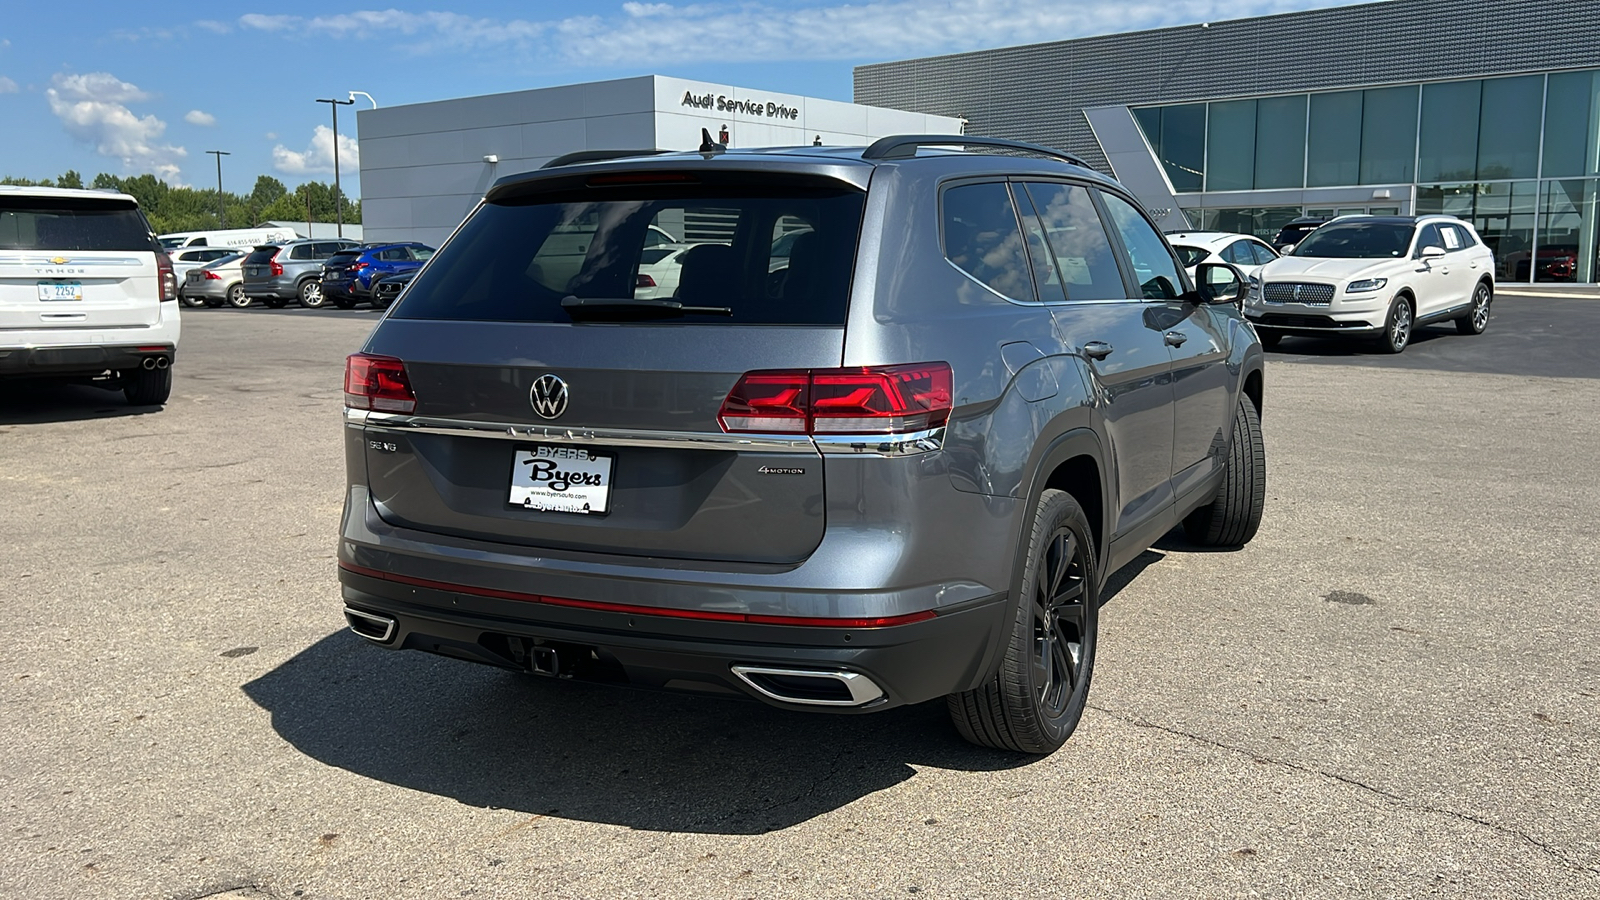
{"points": [[1430, 237], [1262, 253], [982, 239], [421, 254], [1045, 279], [1239, 254], [1153, 267], [1463, 237], [394, 254], [300, 251], [1452, 237], [323, 251], [198, 242], [1078, 242]]}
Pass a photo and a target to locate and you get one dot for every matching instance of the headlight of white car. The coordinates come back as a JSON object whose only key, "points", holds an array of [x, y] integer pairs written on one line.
{"points": [[1252, 292], [1365, 286]]}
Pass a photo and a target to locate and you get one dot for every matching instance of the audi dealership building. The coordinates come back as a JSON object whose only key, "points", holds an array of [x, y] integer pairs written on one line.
{"points": [[1484, 109]]}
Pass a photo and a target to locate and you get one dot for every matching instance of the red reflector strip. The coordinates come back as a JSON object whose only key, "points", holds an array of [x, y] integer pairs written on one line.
{"points": [[153, 348], [629, 609]]}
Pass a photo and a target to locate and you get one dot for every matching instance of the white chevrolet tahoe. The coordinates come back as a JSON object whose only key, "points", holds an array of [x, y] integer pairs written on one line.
{"points": [[1375, 277], [86, 292]]}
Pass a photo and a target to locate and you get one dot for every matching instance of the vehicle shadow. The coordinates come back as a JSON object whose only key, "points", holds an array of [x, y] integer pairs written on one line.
{"points": [[30, 402], [1307, 345], [1124, 576], [649, 761]]}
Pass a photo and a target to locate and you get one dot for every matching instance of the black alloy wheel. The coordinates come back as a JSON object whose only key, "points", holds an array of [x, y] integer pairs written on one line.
{"points": [[1477, 320], [1034, 702]]}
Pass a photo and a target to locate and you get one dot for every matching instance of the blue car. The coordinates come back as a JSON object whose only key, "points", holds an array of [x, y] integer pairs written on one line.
{"points": [[347, 277]]}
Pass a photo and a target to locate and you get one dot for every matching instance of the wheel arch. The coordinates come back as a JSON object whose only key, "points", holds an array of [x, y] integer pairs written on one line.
{"points": [[1075, 462]]}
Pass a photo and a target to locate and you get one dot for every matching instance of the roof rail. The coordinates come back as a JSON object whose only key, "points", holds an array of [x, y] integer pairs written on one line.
{"points": [[583, 156], [904, 146]]}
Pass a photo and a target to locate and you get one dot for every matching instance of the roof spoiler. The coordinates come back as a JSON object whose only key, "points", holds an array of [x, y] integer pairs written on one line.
{"points": [[585, 156], [904, 146]]}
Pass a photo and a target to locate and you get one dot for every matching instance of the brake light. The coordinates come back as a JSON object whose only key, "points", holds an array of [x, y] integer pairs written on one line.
{"points": [[359, 266], [210, 275], [169, 278], [277, 267], [644, 281], [377, 383], [865, 400]]}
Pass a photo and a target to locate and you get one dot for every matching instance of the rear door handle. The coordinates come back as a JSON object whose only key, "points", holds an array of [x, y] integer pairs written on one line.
{"points": [[1176, 338], [1097, 349]]}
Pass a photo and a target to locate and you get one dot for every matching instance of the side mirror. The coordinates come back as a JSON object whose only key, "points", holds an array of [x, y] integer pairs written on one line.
{"points": [[1287, 249], [1219, 282], [1431, 252]]}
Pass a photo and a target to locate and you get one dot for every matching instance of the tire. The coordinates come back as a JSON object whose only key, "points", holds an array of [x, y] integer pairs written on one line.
{"points": [[1397, 327], [148, 387], [1232, 517], [311, 294], [237, 298], [214, 303], [274, 303], [1034, 702], [1476, 321], [1270, 339]]}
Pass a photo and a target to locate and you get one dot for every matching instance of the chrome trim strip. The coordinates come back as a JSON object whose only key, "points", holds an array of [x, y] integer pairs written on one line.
{"points": [[862, 689], [387, 622], [890, 446], [71, 261]]}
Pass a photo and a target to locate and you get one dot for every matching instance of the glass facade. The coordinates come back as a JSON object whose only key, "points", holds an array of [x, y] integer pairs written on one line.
{"points": [[1517, 156]]}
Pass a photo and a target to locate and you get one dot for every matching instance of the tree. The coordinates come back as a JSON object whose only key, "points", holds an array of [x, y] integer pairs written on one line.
{"points": [[71, 179], [105, 181], [267, 189]]}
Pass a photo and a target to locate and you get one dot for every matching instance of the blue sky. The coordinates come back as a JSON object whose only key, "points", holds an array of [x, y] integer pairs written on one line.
{"points": [[133, 88]]}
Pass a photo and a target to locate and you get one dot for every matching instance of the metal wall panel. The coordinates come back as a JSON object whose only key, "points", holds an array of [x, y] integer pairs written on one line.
{"points": [[1038, 92]]}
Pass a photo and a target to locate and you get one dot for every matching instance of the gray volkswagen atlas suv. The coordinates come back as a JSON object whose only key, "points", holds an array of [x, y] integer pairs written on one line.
{"points": [[896, 464]]}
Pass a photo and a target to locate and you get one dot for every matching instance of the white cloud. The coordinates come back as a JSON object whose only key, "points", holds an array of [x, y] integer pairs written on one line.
{"points": [[272, 135], [196, 117], [648, 33], [213, 26], [93, 109], [318, 158], [7, 86]]}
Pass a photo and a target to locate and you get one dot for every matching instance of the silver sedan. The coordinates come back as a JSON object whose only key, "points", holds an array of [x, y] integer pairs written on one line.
{"points": [[216, 283]]}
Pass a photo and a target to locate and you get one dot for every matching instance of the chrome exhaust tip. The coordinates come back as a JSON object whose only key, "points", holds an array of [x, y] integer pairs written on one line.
{"points": [[374, 627], [161, 362], [812, 687], [149, 362]]}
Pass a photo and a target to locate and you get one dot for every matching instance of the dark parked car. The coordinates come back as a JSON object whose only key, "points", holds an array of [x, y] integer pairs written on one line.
{"points": [[275, 274], [348, 276], [387, 289], [898, 468], [1295, 232]]}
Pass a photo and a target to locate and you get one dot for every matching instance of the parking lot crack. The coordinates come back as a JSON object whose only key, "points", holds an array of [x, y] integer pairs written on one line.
{"points": [[1559, 855]]}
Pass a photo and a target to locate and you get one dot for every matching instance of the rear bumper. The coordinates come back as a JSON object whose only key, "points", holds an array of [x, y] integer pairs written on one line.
{"points": [[283, 288], [30, 362], [907, 663]]}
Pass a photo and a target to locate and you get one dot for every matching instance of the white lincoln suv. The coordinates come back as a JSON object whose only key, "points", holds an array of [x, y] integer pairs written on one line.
{"points": [[86, 292], [1376, 276]]}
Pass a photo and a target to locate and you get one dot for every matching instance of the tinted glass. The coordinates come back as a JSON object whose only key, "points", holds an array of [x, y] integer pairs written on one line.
{"points": [[1448, 147], [395, 254], [344, 257], [1333, 153], [1430, 237], [1281, 142], [1153, 267], [1084, 259], [515, 260], [1262, 254], [300, 251], [1190, 256], [422, 253], [172, 242], [1231, 146], [981, 236], [261, 256], [63, 223], [325, 250], [1568, 235], [1046, 282], [1388, 135], [1508, 128], [1358, 240], [1464, 235], [652, 255], [1239, 254], [1571, 132]]}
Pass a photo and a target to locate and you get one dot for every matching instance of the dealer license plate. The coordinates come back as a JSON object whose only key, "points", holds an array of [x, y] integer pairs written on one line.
{"points": [[60, 290], [561, 479]]}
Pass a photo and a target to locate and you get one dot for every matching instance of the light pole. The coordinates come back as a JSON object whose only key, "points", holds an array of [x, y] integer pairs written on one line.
{"points": [[338, 205], [222, 210]]}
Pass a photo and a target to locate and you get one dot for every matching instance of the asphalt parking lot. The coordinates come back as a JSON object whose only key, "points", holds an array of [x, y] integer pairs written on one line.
{"points": [[1394, 691]]}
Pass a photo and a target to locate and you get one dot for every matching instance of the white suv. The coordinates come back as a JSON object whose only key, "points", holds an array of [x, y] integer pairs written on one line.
{"points": [[86, 292], [1376, 276]]}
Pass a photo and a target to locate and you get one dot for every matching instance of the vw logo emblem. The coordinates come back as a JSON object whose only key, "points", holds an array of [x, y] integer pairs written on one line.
{"points": [[548, 396]]}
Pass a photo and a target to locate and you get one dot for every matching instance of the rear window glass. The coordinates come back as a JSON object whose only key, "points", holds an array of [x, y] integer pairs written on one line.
{"points": [[261, 256], [339, 259], [72, 223], [515, 260], [1191, 256]]}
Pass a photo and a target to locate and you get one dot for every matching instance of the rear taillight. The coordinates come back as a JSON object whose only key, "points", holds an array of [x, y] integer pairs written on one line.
{"points": [[359, 266], [169, 278], [644, 281], [867, 400], [210, 275], [377, 383], [277, 267]]}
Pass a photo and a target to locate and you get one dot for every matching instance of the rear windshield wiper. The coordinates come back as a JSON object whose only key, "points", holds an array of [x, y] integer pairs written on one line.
{"points": [[628, 308]]}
